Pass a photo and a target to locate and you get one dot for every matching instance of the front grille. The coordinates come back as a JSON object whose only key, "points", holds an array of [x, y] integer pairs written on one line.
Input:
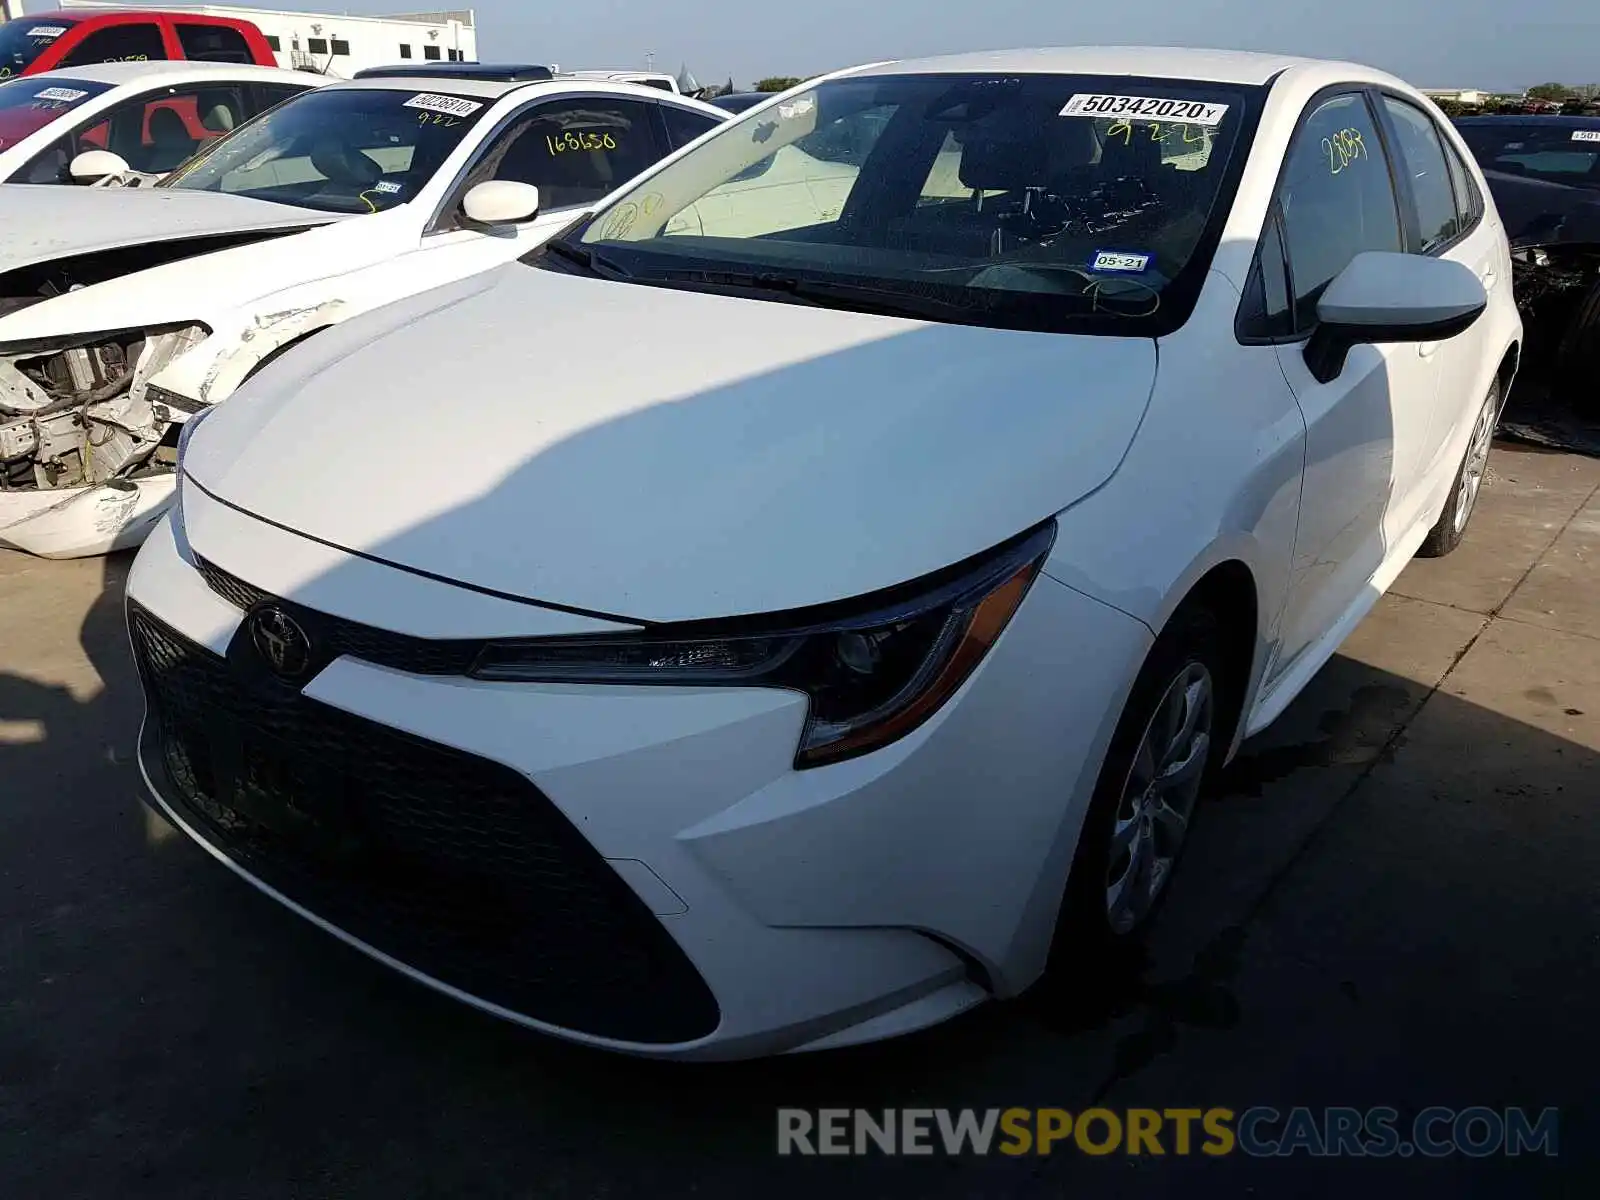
{"points": [[453, 865], [337, 636], [243, 596]]}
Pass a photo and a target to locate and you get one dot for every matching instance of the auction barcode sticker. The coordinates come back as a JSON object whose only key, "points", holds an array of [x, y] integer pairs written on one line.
{"points": [[1146, 108], [454, 106], [65, 95], [1586, 135], [47, 31]]}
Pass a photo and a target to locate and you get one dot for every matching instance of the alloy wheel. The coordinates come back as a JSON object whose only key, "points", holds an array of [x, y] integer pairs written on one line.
{"points": [[1473, 470], [1158, 798]]}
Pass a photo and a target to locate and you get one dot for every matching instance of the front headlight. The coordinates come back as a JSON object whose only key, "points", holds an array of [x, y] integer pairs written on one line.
{"points": [[874, 669]]}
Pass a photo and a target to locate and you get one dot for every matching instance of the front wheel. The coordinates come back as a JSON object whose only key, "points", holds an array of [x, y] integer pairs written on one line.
{"points": [[1451, 527], [1167, 746]]}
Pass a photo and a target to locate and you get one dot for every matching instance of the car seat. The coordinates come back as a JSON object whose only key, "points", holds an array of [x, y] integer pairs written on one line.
{"points": [[170, 143], [216, 112]]}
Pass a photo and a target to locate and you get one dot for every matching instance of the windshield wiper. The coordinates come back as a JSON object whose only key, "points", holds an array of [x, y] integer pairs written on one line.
{"points": [[854, 297], [594, 264]]}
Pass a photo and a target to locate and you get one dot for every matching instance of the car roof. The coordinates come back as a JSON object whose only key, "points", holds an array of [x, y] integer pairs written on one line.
{"points": [[1563, 121], [495, 89], [1217, 66], [153, 72]]}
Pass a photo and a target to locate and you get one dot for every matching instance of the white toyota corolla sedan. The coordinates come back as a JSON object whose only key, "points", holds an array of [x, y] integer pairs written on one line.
{"points": [[123, 312], [708, 638]]}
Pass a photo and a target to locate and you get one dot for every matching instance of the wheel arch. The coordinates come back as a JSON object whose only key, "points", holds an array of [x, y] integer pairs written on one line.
{"points": [[1228, 589]]}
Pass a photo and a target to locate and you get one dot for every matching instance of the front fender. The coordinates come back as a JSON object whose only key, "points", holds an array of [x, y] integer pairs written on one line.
{"points": [[214, 370]]}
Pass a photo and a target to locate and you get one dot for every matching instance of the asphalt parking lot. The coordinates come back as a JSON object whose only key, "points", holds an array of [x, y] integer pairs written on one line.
{"points": [[1395, 902]]}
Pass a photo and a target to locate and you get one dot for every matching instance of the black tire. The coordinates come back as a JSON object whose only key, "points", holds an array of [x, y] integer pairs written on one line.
{"points": [[1578, 357], [1448, 532], [1088, 953]]}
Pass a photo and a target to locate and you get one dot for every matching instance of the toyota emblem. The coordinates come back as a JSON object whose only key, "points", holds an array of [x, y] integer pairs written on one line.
{"points": [[280, 641]]}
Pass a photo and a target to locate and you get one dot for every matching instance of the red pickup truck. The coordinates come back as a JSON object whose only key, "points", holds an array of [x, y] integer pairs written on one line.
{"points": [[45, 41]]}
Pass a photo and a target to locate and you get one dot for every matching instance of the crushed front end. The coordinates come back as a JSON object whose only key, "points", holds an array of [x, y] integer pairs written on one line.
{"points": [[87, 446]]}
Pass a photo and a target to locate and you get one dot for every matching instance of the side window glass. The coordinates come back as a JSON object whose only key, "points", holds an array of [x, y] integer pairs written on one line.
{"points": [[574, 151], [270, 95], [1467, 204], [683, 126], [119, 43], [213, 43], [1336, 199], [1422, 160], [156, 133]]}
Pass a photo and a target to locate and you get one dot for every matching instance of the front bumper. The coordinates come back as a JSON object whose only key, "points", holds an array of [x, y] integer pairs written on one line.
{"points": [[634, 868], [88, 521]]}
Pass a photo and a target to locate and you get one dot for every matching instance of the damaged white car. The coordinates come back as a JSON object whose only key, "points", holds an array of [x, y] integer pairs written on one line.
{"points": [[137, 119], [125, 311]]}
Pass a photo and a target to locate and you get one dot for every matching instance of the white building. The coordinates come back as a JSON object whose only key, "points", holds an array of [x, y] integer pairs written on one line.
{"points": [[1467, 96], [333, 44]]}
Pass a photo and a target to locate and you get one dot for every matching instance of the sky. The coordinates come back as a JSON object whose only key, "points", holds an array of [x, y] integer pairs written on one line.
{"points": [[1496, 44]]}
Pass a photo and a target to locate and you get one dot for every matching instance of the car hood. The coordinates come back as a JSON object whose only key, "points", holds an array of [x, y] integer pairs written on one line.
{"points": [[39, 222], [198, 286], [666, 455]]}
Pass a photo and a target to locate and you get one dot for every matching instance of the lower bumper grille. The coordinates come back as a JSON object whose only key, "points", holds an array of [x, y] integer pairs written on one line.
{"points": [[451, 864]]}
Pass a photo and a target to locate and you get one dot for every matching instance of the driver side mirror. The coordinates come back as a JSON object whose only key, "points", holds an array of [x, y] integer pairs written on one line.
{"points": [[501, 202], [1389, 297], [94, 165]]}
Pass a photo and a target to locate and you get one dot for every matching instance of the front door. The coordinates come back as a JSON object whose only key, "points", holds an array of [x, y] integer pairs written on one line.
{"points": [[576, 150], [1367, 429]]}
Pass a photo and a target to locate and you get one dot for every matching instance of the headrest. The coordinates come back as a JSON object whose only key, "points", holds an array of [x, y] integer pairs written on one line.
{"points": [[1004, 160]]}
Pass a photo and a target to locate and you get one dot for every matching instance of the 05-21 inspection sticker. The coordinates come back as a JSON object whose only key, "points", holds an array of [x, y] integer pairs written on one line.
{"points": [[453, 106], [1128, 261], [1149, 108]]}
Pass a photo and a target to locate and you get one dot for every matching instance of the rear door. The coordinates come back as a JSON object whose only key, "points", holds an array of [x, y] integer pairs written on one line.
{"points": [[1448, 220]]}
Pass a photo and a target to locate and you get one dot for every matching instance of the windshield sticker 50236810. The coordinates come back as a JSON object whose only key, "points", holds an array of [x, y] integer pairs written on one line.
{"points": [[453, 106], [1152, 108]]}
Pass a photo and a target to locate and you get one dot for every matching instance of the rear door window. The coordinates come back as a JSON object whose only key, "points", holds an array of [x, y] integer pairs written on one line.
{"points": [[1421, 155], [684, 125], [213, 43]]}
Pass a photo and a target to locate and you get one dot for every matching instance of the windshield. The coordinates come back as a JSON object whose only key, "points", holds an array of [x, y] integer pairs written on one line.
{"points": [[1555, 153], [344, 150], [28, 105], [22, 41], [1010, 200]]}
